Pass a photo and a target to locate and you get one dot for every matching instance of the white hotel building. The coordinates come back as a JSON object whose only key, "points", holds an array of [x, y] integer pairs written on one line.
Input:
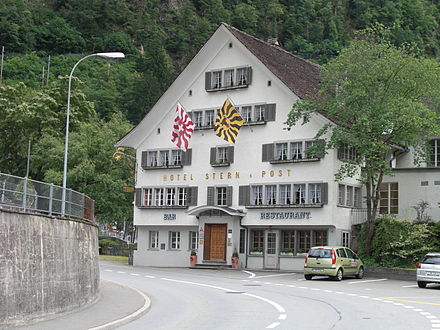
{"points": [[265, 197]]}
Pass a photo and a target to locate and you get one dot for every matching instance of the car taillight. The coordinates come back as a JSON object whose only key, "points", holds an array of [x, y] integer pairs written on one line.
{"points": [[419, 265], [306, 259], [333, 257]]}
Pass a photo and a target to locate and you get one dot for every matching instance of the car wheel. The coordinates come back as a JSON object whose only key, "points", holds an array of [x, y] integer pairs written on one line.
{"points": [[421, 284], [308, 277], [339, 275], [360, 273]]}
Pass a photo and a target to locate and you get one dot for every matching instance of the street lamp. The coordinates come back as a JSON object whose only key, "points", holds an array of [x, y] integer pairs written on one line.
{"points": [[66, 145]]}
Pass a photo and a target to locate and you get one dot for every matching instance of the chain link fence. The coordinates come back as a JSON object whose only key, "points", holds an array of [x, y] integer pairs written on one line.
{"points": [[35, 196]]}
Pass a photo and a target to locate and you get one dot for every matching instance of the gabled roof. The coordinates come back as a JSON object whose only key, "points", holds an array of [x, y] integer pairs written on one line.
{"points": [[299, 75]]}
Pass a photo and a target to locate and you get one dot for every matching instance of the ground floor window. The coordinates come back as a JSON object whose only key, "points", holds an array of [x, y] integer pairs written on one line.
{"points": [[389, 198], [154, 239], [320, 237], [303, 241], [174, 240], [288, 241], [242, 243], [346, 238], [193, 240], [257, 239]]}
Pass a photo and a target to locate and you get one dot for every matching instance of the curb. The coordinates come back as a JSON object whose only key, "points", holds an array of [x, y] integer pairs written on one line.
{"points": [[129, 318], [392, 273]]}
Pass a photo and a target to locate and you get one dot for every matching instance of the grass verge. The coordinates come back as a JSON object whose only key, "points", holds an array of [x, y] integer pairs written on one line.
{"points": [[121, 259]]}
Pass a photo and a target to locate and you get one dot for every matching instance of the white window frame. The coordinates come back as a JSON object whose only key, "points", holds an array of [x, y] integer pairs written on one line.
{"points": [[209, 117], [246, 113], [154, 240], [285, 194], [148, 197], [314, 193], [241, 74], [176, 157], [260, 112], [174, 240], [193, 240], [257, 195], [341, 194], [217, 79], [281, 151], [302, 193], [170, 196], [152, 158], [271, 194], [221, 195], [181, 196], [434, 153], [222, 155], [164, 157], [229, 77], [345, 239], [159, 198], [296, 150]]}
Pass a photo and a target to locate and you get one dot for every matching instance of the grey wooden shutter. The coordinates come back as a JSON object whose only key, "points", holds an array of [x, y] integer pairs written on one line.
{"points": [[270, 112], [144, 159], [213, 156], [324, 193], [208, 81], [267, 153], [230, 154], [191, 196], [244, 195], [249, 75], [210, 196], [187, 157], [228, 196], [138, 197]]}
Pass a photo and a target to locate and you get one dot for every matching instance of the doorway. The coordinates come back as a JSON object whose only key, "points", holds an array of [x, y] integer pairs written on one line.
{"points": [[271, 255], [215, 242]]}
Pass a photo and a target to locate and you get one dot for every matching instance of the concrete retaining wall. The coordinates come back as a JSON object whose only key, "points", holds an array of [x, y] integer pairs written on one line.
{"points": [[47, 265], [392, 273]]}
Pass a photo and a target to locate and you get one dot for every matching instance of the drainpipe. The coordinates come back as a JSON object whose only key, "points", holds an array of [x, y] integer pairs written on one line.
{"points": [[246, 243]]}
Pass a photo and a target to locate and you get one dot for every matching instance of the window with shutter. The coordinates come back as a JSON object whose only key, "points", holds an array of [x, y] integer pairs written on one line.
{"points": [[229, 78], [268, 152]]}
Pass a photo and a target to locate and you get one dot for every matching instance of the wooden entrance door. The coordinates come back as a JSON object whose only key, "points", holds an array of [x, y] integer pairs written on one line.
{"points": [[215, 242]]}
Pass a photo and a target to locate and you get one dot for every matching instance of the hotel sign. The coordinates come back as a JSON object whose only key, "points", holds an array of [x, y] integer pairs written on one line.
{"points": [[284, 215]]}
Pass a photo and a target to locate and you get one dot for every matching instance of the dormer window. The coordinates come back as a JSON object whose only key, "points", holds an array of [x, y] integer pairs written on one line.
{"points": [[229, 78], [160, 159]]}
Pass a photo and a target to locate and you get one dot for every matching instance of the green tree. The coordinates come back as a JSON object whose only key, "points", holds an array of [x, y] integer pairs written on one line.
{"points": [[92, 169], [380, 99]]}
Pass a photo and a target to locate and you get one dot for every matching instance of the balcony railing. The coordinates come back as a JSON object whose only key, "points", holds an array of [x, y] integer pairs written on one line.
{"points": [[359, 216], [34, 196]]}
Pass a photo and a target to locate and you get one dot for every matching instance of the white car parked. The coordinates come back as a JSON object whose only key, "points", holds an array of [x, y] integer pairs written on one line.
{"points": [[428, 270]]}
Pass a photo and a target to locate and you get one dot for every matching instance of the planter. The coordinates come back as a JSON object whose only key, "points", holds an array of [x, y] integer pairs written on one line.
{"points": [[286, 254], [193, 261], [234, 262], [255, 253]]}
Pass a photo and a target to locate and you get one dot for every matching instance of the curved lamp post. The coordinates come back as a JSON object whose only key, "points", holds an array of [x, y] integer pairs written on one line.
{"points": [[66, 145]]}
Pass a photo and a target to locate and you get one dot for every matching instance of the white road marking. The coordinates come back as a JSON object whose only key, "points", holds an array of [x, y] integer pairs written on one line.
{"points": [[292, 286], [352, 294], [408, 307], [279, 284], [387, 301], [398, 304], [367, 281], [108, 270], [135, 274], [418, 310], [364, 296], [431, 316], [120, 272], [339, 292], [378, 299], [267, 282], [282, 317], [149, 276], [425, 313], [435, 321], [409, 286], [273, 275], [328, 291], [247, 272], [302, 287], [273, 325], [316, 289], [279, 308], [435, 325]]}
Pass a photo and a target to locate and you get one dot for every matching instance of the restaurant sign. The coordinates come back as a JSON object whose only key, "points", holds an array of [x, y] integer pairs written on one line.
{"points": [[284, 215]]}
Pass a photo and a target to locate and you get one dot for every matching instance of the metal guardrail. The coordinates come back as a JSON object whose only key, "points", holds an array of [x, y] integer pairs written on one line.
{"points": [[35, 196]]}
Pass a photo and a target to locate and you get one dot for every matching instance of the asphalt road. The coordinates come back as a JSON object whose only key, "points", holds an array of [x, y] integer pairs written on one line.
{"points": [[237, 299]]}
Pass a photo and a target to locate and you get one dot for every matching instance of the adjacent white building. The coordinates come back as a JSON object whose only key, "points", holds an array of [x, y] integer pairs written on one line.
{"points": [[266, 197]]}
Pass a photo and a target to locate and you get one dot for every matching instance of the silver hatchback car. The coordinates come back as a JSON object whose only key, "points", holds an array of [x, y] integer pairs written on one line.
{"points": [[428, 270]]}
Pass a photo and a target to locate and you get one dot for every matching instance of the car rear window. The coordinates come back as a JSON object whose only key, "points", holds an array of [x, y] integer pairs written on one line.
{"points": [[431, 260], [320, 253]]}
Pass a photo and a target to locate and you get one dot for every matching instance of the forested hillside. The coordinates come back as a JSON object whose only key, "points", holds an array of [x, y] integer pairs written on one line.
{"points": [[43, 39]]}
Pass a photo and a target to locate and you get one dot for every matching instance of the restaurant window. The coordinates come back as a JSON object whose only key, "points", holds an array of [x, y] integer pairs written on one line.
{"points": [[303, 241], [320, 238], [346, 238], [257, 239], [315, 193], [285, 194], [288, 242], [257, 195], [242, 242]]}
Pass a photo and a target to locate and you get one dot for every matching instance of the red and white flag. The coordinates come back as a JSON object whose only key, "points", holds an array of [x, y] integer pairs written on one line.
{"points": [[182, 129]]}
